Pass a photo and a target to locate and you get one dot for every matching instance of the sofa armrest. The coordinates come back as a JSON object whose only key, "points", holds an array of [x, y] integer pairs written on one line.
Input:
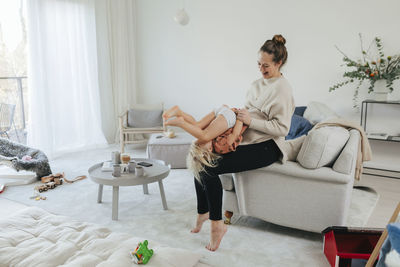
{"points": [[227, 181], [346, 160]]}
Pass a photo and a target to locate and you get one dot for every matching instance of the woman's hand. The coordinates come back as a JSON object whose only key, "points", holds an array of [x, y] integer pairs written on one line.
{"points": [[244, 116]]}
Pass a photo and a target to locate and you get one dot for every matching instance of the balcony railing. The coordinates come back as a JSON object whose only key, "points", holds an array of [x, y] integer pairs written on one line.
{"points": [[13, 90]]}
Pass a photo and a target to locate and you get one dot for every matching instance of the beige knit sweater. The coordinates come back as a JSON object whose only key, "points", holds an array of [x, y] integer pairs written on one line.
{"points": [[271, 106]]}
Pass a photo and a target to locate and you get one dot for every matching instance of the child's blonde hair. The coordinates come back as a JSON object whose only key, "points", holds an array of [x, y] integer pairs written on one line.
{"points": [[198, 157]]}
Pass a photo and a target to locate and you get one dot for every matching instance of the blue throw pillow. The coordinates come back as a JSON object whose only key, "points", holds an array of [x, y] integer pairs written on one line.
{"points": [[298, 127], [300, 110]]}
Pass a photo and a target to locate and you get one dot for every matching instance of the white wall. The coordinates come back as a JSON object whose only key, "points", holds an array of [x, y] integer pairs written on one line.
{"points": [[212, 60]]}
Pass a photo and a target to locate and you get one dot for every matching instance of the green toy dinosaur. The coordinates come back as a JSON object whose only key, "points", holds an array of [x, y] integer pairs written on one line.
{"points": [[142, 254]]}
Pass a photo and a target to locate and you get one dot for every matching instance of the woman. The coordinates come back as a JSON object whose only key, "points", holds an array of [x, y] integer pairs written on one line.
{"points": [[268, 111]]}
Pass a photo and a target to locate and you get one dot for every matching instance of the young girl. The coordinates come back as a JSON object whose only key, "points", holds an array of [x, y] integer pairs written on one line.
{"points": [[219, 132]]}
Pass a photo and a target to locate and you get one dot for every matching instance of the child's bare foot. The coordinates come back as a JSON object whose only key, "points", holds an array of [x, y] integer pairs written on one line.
{"points": [[218, 230], [201, 218], [174, 111], [175, 121]]}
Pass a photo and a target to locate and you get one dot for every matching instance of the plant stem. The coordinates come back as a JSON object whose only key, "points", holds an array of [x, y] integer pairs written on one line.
{"points": [[369, 47], [341, 51], [362, 49]]}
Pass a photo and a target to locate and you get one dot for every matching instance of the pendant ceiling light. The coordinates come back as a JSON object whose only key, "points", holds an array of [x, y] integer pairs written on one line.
{"points": [[182, 17]]}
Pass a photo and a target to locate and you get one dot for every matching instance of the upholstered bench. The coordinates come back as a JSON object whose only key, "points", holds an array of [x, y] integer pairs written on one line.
{"points": [[171, 150]]}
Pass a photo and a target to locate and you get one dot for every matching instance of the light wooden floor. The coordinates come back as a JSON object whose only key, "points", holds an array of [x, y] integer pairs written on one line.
{"points": [[389, 196]]}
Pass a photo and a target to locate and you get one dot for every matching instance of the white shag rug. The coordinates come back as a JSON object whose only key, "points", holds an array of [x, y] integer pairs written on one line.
{"points": [[248, 242]]}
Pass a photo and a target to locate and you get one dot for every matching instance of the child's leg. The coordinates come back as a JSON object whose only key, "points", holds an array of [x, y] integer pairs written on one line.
{"points": [[206, 120], [176, 111], [188, 118], [218, 126], [202, 123]]}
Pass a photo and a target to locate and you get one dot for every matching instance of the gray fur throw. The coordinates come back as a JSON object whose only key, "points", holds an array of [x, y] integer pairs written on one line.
{"points": [[12, 154]]}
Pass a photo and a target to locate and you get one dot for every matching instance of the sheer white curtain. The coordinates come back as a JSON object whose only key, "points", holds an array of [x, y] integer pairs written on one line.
{"points": [[115, 23], [63, 77]]}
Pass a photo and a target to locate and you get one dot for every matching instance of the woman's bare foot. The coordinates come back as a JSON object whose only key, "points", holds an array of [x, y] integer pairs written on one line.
{"points": [[175, 122], [201, 218], [174, 111], [218, 230]]}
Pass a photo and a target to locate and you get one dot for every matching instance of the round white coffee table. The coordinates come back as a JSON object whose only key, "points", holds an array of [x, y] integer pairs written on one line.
{"points": [[155, 173]]}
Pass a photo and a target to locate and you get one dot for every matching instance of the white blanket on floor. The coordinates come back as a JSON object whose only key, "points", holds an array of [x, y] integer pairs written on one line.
{"points": [[34, 237]]}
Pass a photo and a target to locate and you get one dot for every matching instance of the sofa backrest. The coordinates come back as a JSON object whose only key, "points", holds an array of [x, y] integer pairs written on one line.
{"points": [[346, 161]]}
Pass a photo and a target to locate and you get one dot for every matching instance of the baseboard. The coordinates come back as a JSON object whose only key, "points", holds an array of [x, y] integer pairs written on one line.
{"points": [[381, 172]]}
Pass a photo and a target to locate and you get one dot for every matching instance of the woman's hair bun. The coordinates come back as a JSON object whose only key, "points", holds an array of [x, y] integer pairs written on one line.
{"points": [[278, 39], [277, 48]]}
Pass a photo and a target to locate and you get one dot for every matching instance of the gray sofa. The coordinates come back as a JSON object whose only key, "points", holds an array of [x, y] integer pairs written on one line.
{"points": [[293, 196]]}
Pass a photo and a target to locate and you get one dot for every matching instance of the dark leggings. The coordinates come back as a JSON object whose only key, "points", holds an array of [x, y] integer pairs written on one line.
{"points": [[246, 157]]}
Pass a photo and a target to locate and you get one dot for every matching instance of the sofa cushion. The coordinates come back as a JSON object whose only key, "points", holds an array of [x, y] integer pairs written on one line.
{"points": [[317, 112], [322, 146], [294, 170], [345, 161]]}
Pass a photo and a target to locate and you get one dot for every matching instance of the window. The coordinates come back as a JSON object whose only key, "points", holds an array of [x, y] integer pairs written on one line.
{"points": [[13, 65]]}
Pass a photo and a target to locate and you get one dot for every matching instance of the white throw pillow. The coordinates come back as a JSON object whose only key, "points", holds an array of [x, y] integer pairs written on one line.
{"points": [[317, 112], [322, 146]]}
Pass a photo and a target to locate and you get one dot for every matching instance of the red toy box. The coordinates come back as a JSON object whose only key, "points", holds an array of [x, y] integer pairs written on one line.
{"points": [[349, 246]]}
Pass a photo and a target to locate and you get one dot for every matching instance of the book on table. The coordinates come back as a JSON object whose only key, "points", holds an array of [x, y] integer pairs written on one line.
{"points": [[107, 166]]}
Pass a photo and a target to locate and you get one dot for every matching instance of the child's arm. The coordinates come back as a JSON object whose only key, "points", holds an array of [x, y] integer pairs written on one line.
{"points": [[237, 128]]}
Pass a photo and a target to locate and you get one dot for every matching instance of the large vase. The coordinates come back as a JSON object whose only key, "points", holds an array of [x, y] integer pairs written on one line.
{"points": [[381, 92]]}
